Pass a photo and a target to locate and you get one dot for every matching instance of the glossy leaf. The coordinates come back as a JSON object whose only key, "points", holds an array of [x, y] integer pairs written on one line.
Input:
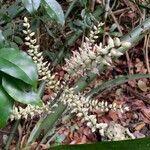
{"points": [[54, 10], [19, 91], [31, 5], [138, 144], [6, 104], [19, 65]]}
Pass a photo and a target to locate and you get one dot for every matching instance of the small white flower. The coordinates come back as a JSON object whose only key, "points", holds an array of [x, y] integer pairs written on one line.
{"points": [[108, 59], [110, 42], [27, 43], [27, 38], [126, 44], [95, 37], [27, 25], [105, 62], [93, 129], [114, 105], [79, 114], [126, 108], [32, 34], [116, 53], [117, 41], [89, 124], [92, 55], [95, 28], [24, 31], [25, 19], [33, 41]]}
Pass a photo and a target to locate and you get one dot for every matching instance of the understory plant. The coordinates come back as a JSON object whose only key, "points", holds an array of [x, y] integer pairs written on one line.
{"points": [[23, 72], [90, 57]]}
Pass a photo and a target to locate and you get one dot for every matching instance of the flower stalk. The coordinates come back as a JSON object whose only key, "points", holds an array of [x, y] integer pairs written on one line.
{"points": [[37, 56]]}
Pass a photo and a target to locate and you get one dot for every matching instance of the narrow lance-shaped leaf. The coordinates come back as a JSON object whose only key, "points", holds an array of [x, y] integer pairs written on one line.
{"points": [[31, 5], [115, 82], [19, 65], [54, 10]]}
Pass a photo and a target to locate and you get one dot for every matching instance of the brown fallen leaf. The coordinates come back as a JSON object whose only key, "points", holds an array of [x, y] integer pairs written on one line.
{"points": [[140, 126], [113, 115], [83, 140], [142, 86], [146, 113]]}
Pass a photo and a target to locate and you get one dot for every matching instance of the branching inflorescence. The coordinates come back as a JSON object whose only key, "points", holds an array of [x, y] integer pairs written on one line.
{"points": [[30, 111], [43, 66], [88, 58], [91, 55], [84, 107]]}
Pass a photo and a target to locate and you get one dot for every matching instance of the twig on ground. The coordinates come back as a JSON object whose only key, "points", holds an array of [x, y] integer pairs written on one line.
{"points": [[146, 52]]}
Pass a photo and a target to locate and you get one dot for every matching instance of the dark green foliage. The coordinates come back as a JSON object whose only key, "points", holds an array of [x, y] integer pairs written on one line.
{"points": [[18, 77]]}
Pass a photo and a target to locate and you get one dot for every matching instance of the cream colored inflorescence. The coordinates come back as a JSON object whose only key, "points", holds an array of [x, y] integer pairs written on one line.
{"points": [[91, 55], [30, 111], [33, 51], [84, 107], [88, 58]]}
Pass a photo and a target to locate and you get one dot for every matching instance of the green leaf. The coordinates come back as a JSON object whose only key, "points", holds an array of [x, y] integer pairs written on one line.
{"points": [[54, 10], [18, 40], [31, 5], [6, 104], [115, 82], [46, 123], [15, 126], [83, 2], [19, 65], [1, 37], [20, 92], [137, 144]]}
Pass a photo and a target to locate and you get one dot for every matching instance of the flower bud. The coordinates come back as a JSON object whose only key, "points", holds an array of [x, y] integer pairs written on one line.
{"points": [[126, 44], [117, 42], [25, 19], [110, 42]]}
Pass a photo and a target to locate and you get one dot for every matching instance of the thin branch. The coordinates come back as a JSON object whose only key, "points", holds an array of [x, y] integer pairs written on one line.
{"points": [[146, 54]]}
